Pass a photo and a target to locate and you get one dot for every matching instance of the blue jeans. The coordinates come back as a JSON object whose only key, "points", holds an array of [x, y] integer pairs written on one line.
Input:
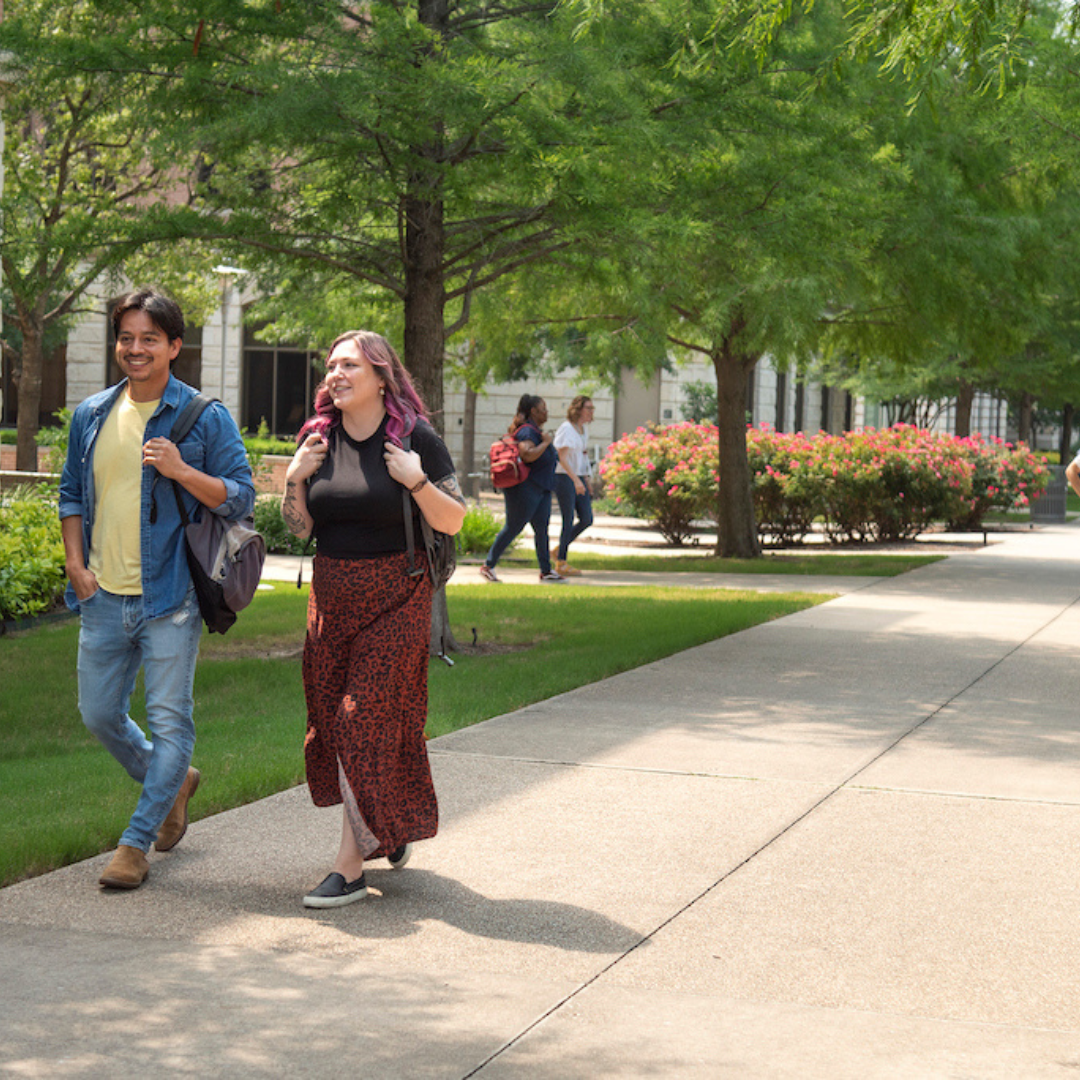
{"points": [[571, 503], [526, 504], [114, 642]]}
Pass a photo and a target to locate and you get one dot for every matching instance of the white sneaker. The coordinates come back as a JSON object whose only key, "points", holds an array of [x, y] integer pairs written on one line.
{"points": [[552, 578], [487, 573]]}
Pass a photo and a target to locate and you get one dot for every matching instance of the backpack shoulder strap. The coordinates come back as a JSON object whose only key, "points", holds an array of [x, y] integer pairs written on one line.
{"points": [[188, 417], [406, 502], [182, 425]]}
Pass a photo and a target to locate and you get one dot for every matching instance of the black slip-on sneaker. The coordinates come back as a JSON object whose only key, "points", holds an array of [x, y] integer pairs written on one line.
{"points": [[335, 891], [400, 857]]}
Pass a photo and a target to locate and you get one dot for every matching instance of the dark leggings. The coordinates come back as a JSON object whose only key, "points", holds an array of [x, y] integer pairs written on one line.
{"points": [[526, 504]]}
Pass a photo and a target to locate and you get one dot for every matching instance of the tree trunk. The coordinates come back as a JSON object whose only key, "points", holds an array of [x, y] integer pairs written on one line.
{"points": [[425, 241], [1066, 433], [1027, 407], [468, 463], [442, 637], [965, 398], [425, 294], [28, 384], [425, 299], [737, 533]]}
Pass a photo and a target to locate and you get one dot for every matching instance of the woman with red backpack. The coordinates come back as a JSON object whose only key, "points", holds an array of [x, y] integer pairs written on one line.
{"points": [[529, 502]]}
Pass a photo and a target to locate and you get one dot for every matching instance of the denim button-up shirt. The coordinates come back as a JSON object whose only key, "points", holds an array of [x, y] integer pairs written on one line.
{"points": [[214, 446]]}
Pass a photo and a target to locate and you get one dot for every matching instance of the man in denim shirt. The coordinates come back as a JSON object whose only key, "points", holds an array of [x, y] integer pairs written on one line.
{"points": [[127, 569]]}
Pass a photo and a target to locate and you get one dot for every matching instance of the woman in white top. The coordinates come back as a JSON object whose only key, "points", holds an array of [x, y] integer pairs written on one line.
{"points": [[572, 478]]}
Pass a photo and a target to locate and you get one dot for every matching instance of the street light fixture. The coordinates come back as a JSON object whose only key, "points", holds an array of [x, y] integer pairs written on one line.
{"points": [[228, 273]]}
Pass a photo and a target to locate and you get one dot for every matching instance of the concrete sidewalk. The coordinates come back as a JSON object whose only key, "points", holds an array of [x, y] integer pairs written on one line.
{"points": [[838, 845]]}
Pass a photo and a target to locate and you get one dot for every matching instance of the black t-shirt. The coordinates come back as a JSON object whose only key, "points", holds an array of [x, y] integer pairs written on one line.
{"points": [[355, 503]]}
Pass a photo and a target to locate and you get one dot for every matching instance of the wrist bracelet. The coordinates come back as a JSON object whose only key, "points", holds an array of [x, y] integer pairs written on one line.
{"points": [[414, 490]]}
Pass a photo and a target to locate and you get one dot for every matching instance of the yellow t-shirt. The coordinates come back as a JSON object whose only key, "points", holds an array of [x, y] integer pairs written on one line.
{"points": [[115, 554]]}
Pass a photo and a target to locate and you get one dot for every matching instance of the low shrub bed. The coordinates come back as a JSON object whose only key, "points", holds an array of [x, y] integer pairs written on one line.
{"points": [[870, 485], [666, 475], [32, 573]]}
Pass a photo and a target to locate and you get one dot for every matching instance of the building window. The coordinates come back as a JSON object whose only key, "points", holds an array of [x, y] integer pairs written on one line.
{"points": [[279, 385]]}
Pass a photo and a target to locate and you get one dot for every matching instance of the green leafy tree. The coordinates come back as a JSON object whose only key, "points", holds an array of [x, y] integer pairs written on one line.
{"points": [[407, 152], [742, 207], [81, 176], [967, 286], [985, 36]]}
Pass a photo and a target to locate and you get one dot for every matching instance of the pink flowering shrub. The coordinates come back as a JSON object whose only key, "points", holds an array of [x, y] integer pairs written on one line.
{"points": [[1003, 476], [870, 485], [788, 492], [892, 484], [667, 475]]}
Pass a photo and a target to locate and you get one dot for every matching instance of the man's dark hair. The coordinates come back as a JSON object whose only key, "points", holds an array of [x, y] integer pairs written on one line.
{"points": [[163, 310]]}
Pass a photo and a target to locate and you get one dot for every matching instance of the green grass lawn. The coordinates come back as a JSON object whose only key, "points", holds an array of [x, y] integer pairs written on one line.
{"points": [[63, 798]]}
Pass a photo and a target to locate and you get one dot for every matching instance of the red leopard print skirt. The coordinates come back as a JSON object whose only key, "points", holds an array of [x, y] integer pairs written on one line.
{"points": [[365, 681]]}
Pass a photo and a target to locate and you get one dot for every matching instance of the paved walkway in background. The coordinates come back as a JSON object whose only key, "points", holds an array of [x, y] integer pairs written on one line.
{"points": [[626, 536], [518, 572], [842, 844]]}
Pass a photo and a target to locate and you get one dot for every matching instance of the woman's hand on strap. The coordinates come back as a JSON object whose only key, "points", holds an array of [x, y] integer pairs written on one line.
{"points": [[404, 466], [308, 459]]}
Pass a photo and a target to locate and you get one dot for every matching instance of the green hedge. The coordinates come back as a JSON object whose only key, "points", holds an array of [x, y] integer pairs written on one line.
{"points": [[32, 573], [270, 523], [260, 445]]}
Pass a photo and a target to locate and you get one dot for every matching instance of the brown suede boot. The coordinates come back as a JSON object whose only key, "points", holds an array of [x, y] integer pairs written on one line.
{"points": [[175, 825], [128, 869]]}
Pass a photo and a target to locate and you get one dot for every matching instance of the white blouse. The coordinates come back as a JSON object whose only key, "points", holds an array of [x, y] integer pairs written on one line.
{"points": [[577, 443]]}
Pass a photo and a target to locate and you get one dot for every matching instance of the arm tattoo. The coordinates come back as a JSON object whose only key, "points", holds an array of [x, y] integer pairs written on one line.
{"points": [[450, 485], [294, 521]]}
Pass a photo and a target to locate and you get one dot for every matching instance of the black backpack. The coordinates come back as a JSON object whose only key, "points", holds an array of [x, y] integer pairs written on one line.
{"points": [[440, 548]]}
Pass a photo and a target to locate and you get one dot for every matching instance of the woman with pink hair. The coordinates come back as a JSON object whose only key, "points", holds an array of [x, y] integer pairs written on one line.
{"points": [[366, 651]]}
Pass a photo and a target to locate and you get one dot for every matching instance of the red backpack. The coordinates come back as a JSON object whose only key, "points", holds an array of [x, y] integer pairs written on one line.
{"points": [[507, 468]]}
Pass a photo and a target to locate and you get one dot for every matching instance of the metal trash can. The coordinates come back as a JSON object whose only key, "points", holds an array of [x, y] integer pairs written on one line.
{"points": [[1049, 507]]}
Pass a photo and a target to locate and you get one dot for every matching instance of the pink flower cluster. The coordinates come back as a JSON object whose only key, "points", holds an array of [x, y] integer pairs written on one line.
{"points": [[667, 475], [865, 485]]}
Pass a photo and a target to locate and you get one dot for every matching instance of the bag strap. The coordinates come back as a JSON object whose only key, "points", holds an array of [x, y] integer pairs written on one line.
{"points": [[181, 428], [188, 417], [407, 505], [429, 544], [303, 556]]}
